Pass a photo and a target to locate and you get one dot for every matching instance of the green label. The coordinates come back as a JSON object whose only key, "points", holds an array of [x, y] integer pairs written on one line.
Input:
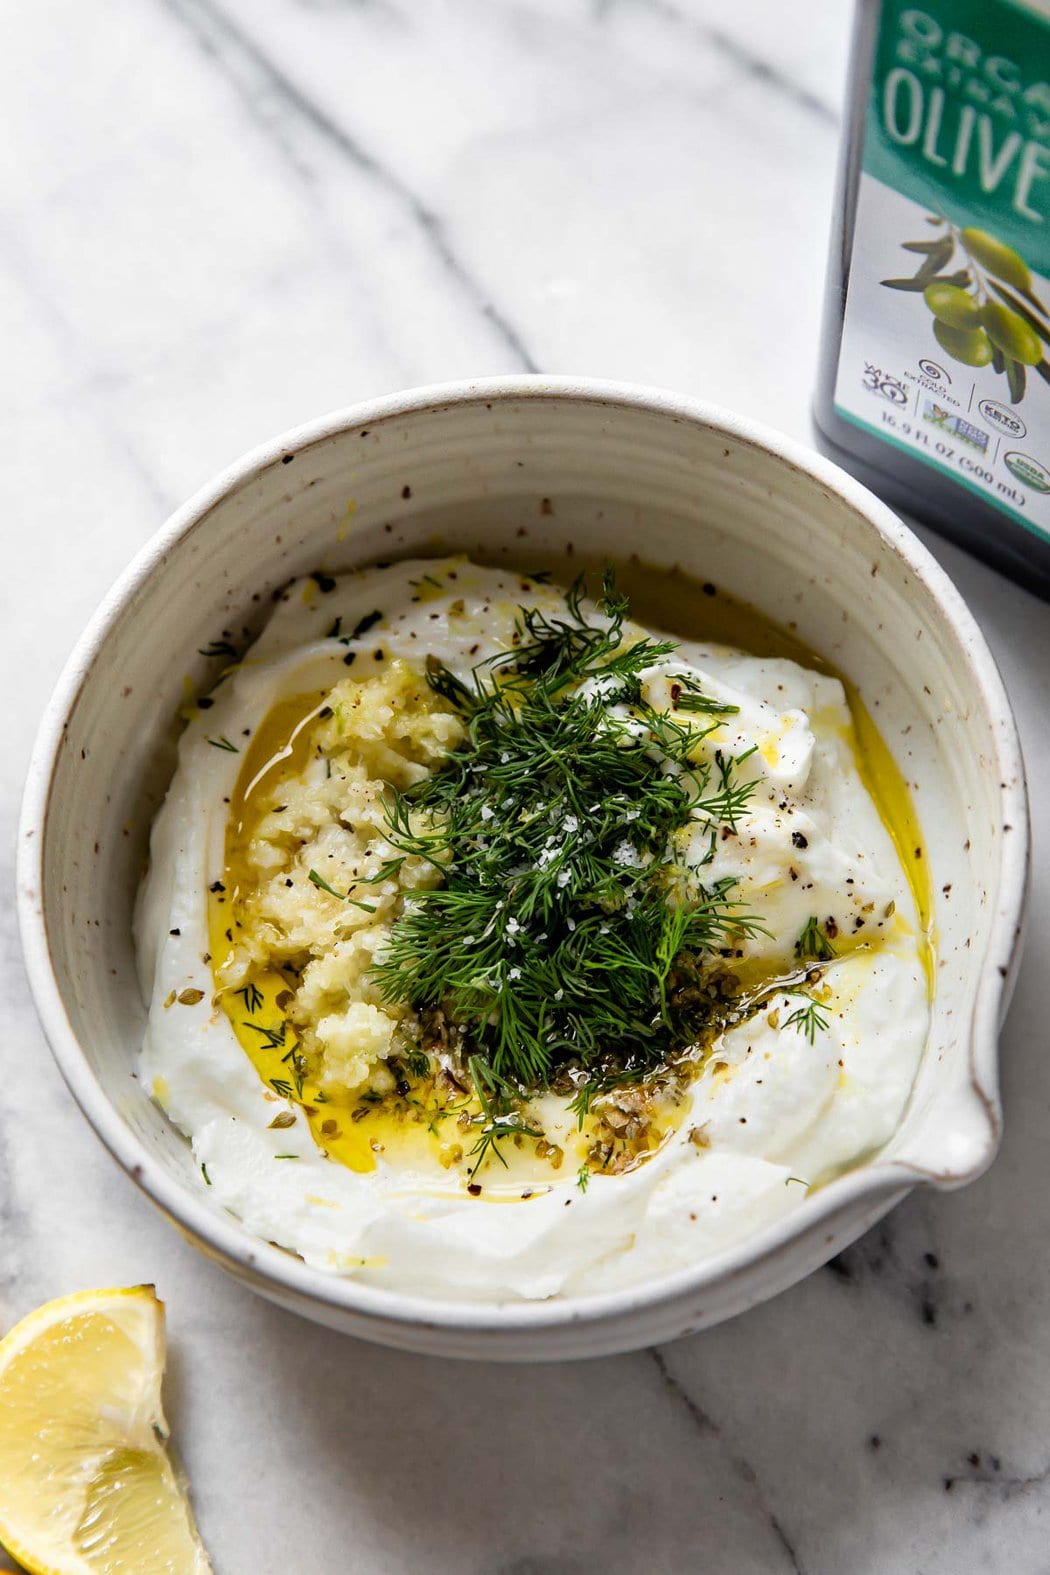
{"points": [[945, 349], [959, 116], [1028, 470]]}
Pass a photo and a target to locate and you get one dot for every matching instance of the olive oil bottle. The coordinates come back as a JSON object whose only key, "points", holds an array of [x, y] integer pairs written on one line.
{"points": [[935, 365]]}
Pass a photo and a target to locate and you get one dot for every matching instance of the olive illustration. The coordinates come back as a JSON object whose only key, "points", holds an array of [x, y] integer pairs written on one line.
{"points": [[997, 259], [971, 346], [951, 305], [1014, 337]]}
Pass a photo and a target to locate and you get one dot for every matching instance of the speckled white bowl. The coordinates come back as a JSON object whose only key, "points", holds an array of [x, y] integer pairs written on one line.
{"points": [[467, 467]]}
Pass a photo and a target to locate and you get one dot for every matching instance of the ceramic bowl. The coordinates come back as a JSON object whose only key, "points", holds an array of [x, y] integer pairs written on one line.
{"points": [[473, 467]]}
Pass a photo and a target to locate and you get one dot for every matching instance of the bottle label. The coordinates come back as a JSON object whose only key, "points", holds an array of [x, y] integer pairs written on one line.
{"points": [[945, 349]]}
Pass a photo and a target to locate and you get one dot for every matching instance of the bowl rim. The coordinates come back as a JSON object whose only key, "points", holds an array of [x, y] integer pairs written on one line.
{"points": [[223, 1234]]}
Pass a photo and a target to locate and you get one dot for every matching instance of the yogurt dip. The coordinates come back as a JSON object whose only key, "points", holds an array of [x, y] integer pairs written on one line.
{"points": [[496, 947]]}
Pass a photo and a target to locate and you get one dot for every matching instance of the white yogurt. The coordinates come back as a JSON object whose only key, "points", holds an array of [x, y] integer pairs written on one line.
{"points": [[779, 1114]]}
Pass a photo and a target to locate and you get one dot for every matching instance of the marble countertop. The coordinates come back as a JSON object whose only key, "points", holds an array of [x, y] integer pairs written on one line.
{"points": [[223, 216]]}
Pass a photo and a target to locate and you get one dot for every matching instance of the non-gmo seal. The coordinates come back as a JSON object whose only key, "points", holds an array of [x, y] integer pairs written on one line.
{"points": [[1003, 417], [1028, 470]]}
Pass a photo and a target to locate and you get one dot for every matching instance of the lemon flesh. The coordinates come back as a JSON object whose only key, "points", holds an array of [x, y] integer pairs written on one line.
{"points": [[86, 1486]]}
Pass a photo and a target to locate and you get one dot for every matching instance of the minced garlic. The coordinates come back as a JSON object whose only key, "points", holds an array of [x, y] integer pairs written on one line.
{"points": [[303, 854]]}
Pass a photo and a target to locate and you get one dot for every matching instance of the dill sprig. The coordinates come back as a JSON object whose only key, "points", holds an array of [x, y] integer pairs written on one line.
{"points": [[565, 905], [344, 896], [498, 1118], [814, 942], [251, 996], [272, 1038], [808, 1020]]}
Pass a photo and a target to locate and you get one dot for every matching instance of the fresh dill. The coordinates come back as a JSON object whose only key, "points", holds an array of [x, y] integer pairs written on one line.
{"points": [[343, 896], [293, 1058], [583, 1177], [566, 907], [319, 881], [687, 695], [498, 1118], [222, 742], [808, 1020], [814, 942], [296, 1062], [418, 1063], [272, 1038], [386, 869], [251, 996]]}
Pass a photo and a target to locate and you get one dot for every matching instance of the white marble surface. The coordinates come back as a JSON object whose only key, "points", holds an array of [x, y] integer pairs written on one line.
{"points": [[222, 216]]}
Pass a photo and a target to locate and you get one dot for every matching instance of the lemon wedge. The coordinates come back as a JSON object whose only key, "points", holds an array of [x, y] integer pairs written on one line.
{"points": [[86, 1485]]}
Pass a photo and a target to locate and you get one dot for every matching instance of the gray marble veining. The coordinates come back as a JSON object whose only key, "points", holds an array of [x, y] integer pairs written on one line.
{"points": [[222, 216]]}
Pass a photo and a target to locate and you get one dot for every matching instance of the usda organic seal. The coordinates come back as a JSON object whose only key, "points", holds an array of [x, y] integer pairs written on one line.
{"points": [[1029, 471]]}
